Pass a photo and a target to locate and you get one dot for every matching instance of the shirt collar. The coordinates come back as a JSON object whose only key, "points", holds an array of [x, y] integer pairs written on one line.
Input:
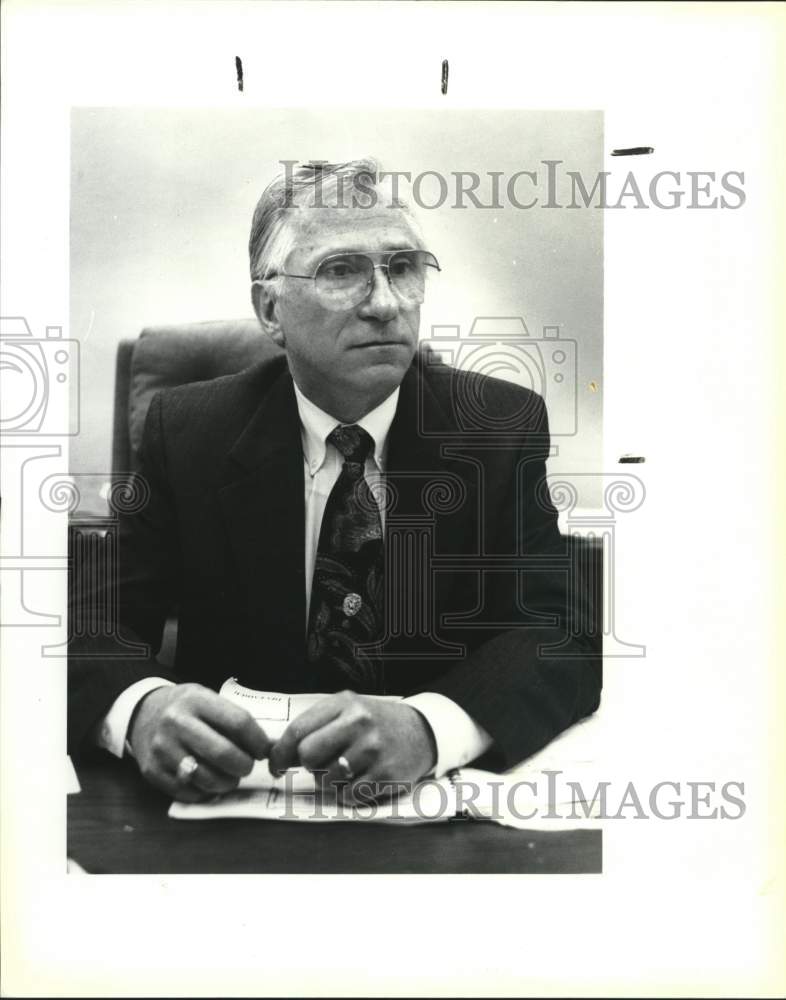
{"points": [[316, 425]]}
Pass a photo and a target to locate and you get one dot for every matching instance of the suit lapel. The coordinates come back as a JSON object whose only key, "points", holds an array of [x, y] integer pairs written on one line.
{"points": [[432, 517], [264, 512], [431, 486]]}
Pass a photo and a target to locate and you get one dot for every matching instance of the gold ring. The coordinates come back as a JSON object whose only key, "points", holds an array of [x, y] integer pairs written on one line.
{"points": [[186, 768], [343, 763]]}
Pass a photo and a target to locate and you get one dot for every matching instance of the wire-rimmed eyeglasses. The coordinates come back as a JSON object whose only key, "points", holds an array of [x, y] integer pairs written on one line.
{"points": [[343, 280]]}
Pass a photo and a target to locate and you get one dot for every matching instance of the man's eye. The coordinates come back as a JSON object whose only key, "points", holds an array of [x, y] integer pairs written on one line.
{"points": [[338, 270], [402, 265]]}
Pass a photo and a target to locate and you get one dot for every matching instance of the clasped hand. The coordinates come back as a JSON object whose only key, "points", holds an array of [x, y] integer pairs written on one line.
{"points": [[385, 743]]}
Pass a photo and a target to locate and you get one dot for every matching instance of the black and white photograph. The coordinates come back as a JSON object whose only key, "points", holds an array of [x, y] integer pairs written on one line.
{"points": [[390, 500], [279, 634]]}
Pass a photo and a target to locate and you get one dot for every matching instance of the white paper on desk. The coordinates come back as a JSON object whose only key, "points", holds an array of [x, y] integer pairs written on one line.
{"points": [[485, 795], [293, 795], [435, 802]]}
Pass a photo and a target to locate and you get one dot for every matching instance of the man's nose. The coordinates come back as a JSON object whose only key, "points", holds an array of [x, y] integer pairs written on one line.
{"points": [[382, 302]]}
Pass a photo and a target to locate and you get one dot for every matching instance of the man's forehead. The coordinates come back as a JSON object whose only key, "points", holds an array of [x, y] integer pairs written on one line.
{"points": [[322, 231]]}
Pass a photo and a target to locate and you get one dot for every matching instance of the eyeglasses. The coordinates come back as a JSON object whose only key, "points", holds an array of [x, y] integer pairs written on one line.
{"points": [[343, 280]]}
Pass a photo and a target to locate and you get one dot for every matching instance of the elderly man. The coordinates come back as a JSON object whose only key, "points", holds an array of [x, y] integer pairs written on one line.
{"points": [[325, 522]]}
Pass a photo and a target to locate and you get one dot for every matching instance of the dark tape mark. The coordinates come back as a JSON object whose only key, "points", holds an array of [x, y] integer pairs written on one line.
{"points": [[633, 151], [629, 459], [239, 69], [444, 76]]}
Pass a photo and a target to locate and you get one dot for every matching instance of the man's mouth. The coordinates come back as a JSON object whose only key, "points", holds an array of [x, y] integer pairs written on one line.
{"points": [[381, 343]]}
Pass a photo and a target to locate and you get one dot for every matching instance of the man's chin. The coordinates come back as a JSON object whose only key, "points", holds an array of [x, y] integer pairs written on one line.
{"points": [[379, 375], [384, 366]]}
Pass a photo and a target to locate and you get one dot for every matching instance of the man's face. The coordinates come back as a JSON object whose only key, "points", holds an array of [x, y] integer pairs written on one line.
{"points": [[347, 361]]}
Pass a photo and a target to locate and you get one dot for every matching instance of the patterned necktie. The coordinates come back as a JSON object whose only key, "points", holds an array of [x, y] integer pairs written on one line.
{"points": [[347, 590]]}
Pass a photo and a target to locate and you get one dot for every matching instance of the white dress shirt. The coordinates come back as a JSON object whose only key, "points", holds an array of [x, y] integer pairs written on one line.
{"points": [[459, 739]]}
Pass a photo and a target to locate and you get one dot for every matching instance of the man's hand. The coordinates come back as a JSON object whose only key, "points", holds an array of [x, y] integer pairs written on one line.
{"points": [[176, 721], [382, 741]]}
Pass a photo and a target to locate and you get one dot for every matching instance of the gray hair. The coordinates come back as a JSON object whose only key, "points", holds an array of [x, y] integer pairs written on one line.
{"points": [[272, 233]]}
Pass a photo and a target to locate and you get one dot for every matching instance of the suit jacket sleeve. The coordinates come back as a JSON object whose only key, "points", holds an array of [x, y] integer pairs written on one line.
{"points": [[526, 684], [112, 649]]}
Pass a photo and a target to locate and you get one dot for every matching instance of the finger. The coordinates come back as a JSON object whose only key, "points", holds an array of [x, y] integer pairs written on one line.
{"points": [[169, 784], [321, 748], [330, 783], [336, 782], [214, 749], [350, 758], [234, 722], [284, 753], [362, 790], [205, 777], [352, 737]]}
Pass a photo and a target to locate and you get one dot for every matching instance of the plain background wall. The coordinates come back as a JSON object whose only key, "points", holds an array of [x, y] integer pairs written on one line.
{"points": [[161, 204]]}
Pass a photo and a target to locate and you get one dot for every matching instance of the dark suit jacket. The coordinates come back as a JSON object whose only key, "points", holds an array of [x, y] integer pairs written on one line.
{"points": [[477, 572]]}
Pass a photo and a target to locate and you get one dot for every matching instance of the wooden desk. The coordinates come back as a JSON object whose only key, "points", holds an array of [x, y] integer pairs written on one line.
{"points": [[118, 824]]}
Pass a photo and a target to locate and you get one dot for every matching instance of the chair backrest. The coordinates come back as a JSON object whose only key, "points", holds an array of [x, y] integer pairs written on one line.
{"points": [[164, 356]]}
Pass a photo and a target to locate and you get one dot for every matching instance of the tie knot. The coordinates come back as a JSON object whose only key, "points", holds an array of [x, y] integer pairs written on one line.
{"points": [[353, 442]]}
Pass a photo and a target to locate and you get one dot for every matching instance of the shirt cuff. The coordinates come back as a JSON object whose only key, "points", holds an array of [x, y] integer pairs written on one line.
{"points": [[458, 737], [111, 732]]}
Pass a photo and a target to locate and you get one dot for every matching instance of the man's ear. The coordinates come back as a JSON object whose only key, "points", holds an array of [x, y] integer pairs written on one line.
{"points": [[264, 296]]}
